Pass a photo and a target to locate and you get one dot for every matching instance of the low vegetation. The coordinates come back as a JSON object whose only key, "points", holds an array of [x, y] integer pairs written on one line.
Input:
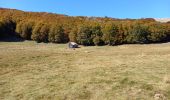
{"points": [[41, 71]]}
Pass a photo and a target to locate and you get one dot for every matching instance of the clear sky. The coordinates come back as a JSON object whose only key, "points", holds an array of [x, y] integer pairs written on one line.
{"points": [[110, 8]]}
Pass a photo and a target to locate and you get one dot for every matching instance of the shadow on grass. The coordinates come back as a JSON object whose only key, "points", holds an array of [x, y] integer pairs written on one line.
{"points": [[11, 39]]}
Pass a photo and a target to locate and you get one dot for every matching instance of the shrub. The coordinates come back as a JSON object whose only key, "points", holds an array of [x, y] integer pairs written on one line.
{"points": [[73, 35], [157, 33], [98, 41], [40, 32], [7, 28], [56, 34], [137, 34], [84, 35], [109, 32], [24, 29]]}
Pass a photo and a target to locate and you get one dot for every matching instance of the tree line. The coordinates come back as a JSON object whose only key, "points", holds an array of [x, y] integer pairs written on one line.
{"points": [[55, 28]]}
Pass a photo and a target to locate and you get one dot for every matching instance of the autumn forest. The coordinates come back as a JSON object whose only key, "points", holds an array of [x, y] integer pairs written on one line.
{"points": [[56, 28]]}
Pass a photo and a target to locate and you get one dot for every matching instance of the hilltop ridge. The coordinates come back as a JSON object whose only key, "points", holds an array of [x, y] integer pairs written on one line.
{"points": [[164, 20]]}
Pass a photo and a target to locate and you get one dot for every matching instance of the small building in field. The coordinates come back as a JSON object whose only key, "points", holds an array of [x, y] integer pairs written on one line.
{"points": [[72, 45]]}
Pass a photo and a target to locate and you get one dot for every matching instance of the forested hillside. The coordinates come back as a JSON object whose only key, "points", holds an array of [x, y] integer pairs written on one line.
{"points": [[55, 28]]}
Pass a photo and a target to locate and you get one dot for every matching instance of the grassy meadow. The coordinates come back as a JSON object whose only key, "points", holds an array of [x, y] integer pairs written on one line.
{"points": [[32, 71]]}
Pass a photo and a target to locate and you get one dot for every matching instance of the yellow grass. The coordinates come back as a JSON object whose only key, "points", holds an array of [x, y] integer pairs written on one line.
{"points": [[31, 71]]}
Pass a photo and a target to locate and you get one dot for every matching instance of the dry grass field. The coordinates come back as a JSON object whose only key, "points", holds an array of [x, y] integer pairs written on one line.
{"points": [[32, 71]]}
